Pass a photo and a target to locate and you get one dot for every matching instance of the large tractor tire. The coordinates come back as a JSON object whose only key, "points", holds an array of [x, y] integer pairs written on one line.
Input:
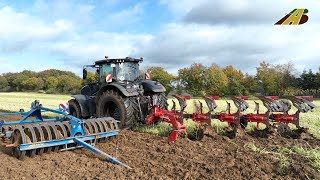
{"points": [[123, 109], [74, 109]]}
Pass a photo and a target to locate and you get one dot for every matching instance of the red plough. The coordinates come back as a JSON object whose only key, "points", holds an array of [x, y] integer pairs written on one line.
{"points": [[303, 105], [277, 112], [173, 116]]}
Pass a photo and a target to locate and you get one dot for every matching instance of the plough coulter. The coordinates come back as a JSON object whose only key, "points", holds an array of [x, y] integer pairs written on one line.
{"points": [[277, 113], [33, 134]]}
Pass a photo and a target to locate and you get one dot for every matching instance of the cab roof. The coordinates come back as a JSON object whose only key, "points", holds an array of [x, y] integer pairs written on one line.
{"points": [[120, 60]]}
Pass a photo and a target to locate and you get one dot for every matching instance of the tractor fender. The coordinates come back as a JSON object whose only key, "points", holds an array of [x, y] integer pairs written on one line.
{"points": [[152, 86], [123, 90], [84, 102]]}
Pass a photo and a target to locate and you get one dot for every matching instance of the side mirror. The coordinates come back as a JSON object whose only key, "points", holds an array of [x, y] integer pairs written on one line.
{"points": [[84, 74]]}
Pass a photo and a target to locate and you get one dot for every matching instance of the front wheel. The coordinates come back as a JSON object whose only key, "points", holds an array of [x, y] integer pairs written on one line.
{"points": [[75, 109]]}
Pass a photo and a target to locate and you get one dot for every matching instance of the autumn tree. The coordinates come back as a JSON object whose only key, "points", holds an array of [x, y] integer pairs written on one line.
{"points": [[269, 78], [235, 81], [216, 81], [51, 83], [193, 79], [32, 83]]}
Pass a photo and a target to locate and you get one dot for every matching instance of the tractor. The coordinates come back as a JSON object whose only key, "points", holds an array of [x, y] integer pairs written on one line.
{"points": [[119, 92]]}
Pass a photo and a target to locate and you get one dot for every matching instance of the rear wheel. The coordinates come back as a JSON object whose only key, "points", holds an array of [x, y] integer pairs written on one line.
{"points": [[123, 109]]}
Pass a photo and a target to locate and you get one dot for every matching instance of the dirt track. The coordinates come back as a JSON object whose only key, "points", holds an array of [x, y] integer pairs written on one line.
{"points": [[153, 158]]}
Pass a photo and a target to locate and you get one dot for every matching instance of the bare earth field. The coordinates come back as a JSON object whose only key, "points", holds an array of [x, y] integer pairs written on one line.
{"points": [[152, 157]]}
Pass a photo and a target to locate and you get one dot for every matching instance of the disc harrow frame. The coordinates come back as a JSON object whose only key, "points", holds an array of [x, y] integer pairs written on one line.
{"points": [[34, 135]]}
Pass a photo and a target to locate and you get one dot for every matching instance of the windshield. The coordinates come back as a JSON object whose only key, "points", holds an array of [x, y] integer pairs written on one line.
{"points": [[128, 71]]}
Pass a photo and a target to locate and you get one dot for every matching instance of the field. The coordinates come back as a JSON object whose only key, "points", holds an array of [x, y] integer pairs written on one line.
{"points": [[214, 157]]}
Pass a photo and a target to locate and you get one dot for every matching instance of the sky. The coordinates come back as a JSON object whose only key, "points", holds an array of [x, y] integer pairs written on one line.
{"points": [[67, 34]]}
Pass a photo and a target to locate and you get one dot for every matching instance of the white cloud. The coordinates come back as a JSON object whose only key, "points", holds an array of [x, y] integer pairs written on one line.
{"points": [[96, 45], [180, 7], [73, 11], [19, 30], [245, 11], [242, 46], [124, 17]]}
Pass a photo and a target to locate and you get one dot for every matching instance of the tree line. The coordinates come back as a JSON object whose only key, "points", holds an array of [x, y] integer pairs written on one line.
{"points": [[197, 80], [49, 81], [269, 79]]}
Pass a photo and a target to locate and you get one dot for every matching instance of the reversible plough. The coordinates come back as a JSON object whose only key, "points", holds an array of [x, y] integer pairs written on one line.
{"points": [[277, 112], [33, 134]]}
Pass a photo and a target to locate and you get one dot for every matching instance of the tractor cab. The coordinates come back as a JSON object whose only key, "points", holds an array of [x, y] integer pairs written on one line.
{"points": [[119, 70]]}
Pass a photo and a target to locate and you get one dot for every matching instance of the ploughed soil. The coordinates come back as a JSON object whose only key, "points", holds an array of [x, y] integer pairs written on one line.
{"points": [[152, 157]]}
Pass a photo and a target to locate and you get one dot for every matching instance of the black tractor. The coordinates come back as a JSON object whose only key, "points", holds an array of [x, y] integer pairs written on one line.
{"points": [[119, 92]]}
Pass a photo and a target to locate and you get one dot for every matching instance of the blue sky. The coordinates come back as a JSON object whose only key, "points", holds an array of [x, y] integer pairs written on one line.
{"points": [[66, 34]]}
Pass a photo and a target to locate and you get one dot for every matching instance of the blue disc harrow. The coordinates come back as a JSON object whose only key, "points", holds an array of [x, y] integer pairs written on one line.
{"points": [[34, 135]]}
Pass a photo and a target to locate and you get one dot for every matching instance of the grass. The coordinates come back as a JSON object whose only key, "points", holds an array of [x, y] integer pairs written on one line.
{"points": [[284, 155], [17, 100], [12, 102]]}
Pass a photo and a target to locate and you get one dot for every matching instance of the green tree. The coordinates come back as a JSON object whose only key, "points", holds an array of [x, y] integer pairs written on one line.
{"points": [[308, 80], [69, 84], [3, 83], [162, 76], [318, 79], [235, 81], [250, 84], [288, 79], [270, 79], [193, 79], [32, 84], [91, 78], [52, 82], [17, 82], [216, 81]]}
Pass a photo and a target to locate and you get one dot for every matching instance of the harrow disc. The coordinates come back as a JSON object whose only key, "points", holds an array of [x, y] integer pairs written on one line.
{"points": [[35, 133]]}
